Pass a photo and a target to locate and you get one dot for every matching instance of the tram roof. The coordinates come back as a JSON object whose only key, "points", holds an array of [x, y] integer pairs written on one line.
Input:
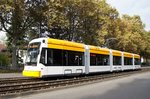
{"points": [[66, 45], [126, 54], [116, 53], [99, 50], [73, 46], [136, 56]]}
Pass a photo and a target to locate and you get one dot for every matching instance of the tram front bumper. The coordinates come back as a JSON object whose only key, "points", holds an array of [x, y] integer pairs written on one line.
{"points": [[31, 73]]}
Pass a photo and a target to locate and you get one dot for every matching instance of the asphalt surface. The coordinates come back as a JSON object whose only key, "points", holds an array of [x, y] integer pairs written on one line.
{"points": [[132, 87], [10, 75]]}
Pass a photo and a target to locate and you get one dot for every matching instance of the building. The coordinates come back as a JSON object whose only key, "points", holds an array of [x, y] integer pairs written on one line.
{"points": [[2, 46]]}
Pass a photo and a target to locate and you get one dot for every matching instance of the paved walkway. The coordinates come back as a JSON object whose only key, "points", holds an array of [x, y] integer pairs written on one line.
{"points": [[10, 75]]}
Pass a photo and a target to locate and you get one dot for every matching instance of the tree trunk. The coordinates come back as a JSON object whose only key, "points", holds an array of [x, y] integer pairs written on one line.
{"points": [[14, 56]]}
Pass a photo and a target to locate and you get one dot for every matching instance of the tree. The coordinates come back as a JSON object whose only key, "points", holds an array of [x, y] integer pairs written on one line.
{"points": [[56, 21], [15, 22], [146, 51], [131, 31], [78, 20], [87, 21], [109, 16], [36, 10]]}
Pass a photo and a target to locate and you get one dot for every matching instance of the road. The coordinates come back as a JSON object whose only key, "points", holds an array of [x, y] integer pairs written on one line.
{"points": [[133, 87]]}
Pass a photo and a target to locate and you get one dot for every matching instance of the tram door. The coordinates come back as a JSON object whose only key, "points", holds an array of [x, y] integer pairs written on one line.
{"points": [[54, 61]]}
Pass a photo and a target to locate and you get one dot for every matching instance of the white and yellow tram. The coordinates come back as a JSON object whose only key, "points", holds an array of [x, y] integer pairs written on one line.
{"points": [[53, 57]]}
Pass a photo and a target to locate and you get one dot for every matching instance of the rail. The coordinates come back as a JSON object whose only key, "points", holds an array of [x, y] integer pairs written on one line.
{"points": [[12, 87]]}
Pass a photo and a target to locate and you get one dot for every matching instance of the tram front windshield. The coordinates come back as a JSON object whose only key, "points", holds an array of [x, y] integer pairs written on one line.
{"points": [[32, 54]]}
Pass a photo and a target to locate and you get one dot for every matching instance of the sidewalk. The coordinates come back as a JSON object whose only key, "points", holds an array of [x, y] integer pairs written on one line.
{"points": [[10, 75]]}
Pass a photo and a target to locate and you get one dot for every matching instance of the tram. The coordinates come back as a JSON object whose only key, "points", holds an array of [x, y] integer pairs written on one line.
{"points": [[53, 57]]}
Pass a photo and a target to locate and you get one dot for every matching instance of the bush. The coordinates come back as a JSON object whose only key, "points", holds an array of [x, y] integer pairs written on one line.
{"points": [[4, 59]]}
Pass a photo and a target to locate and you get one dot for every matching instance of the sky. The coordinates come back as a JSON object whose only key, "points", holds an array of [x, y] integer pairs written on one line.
{"points": [[130, 7], [2, 36], [133, 7]]}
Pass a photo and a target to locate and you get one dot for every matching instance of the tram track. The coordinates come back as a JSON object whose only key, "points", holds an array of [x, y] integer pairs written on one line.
{"points": [[23, 85], [16, 80]]}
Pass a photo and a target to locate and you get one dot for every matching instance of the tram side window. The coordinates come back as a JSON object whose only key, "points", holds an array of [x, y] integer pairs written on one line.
{"points": [[74, 58], [54, 57], [51, 57], [99, 60], [93, 59], [128, 61], [137, 61], [106, 60], [42, 58], [116, 60], [102, 59]]}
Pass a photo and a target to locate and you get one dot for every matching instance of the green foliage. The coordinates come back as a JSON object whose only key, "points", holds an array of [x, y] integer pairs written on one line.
{"points": [[79, 20], [88, 21], [4, 59], [15, 21], [129, 33], [146, 50]]}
